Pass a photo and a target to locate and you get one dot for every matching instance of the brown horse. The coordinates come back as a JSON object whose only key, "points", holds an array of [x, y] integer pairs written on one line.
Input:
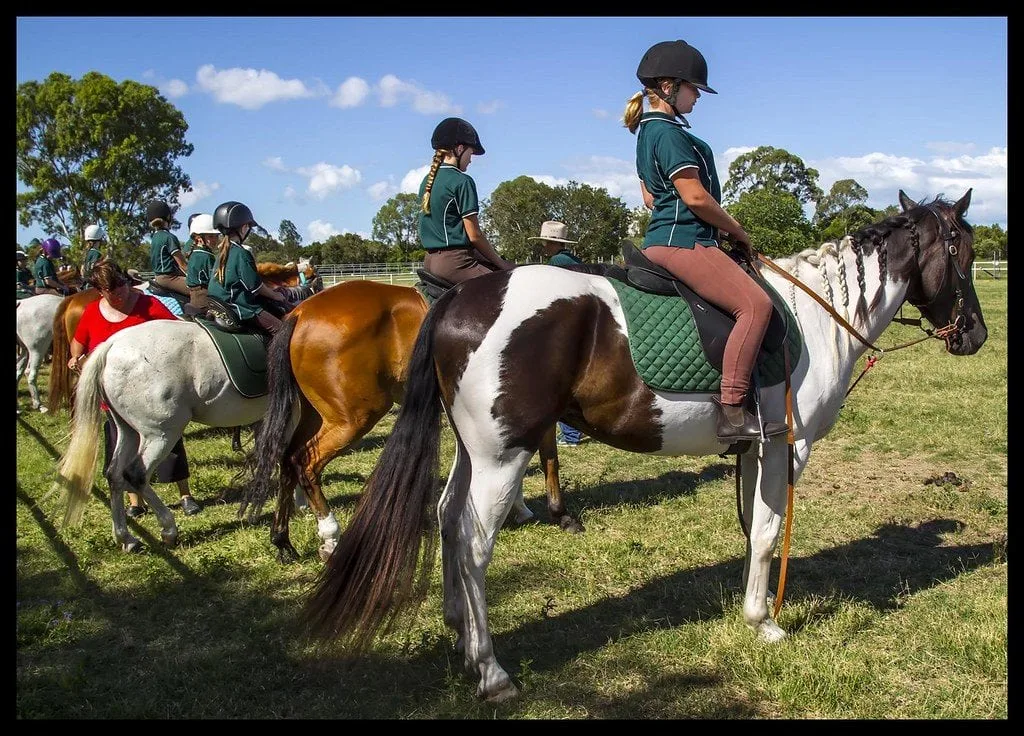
{"points": [[334, 370], [275, 274]]}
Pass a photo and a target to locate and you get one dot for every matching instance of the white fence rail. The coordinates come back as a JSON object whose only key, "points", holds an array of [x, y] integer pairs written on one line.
{"points": [[989, 270]]}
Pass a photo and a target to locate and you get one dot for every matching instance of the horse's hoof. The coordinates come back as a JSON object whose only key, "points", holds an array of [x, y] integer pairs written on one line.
{"points": [[523, 515], [132, 547], [326, 550], [43, 410], [170, 539], [569, 524], [502, 692], [770, 631]]}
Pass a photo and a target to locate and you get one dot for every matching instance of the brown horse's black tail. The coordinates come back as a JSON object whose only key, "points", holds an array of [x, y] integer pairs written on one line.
{"points": [[273, 433], [377, 570], [61, 388]]}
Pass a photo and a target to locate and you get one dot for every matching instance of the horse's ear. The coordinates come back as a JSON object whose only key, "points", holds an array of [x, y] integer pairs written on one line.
{"points": [[960, 208], [906, 202]]}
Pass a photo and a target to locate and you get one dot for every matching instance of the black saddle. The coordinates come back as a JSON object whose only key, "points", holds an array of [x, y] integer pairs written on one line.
{"points": [[713, 324], [431, 286]]}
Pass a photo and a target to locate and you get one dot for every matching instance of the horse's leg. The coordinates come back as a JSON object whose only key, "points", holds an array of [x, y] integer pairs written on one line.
{"points": [[311, 459], [549, 464], [765, 508], [35, 360], [236, 439], [471, 536], [125, 452], [22, 362], [152, 450]]}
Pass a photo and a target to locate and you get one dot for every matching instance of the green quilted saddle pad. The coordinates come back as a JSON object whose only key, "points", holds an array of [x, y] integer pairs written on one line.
{"points": [[667, 350], [245, 358]]}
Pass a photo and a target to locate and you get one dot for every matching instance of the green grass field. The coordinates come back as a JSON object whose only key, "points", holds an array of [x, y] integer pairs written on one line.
{"points": [[896, 597]]}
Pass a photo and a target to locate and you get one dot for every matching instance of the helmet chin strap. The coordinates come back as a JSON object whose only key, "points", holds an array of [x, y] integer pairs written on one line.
{"points": [[670, 100]]}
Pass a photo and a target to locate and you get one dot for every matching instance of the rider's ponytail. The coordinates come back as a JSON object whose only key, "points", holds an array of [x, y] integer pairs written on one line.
{"points": [[222, 256], [434, 166]]}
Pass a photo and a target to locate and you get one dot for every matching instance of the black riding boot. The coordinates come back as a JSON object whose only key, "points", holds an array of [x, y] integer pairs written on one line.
{"points": [[737, 423]]}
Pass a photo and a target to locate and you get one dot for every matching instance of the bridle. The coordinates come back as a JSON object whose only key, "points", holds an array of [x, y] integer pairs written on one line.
{"points": [[949, 238]]}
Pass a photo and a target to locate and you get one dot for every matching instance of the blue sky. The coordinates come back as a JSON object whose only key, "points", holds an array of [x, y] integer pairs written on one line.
{"points": [[319, 120]]}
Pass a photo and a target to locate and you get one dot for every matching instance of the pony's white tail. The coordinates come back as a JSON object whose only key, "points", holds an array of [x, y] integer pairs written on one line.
{"points": [[78, 465]]}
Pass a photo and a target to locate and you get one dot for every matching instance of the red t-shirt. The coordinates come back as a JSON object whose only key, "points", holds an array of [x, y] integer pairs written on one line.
{"points": [[94, 328]]}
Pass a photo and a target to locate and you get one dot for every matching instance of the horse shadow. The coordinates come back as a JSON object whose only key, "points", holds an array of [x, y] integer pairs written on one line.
{"points": [[894, 562]]}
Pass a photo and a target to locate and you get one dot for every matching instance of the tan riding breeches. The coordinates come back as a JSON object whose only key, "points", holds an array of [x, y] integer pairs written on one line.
{"points": [[172, 283], [716, 277]]}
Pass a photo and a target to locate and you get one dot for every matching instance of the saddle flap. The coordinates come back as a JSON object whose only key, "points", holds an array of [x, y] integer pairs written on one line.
{"points": [[244, 354], [430, 286]]}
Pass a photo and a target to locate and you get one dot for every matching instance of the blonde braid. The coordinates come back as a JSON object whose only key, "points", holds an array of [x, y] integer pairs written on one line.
{"points": [[439, 155], [222, 256]]}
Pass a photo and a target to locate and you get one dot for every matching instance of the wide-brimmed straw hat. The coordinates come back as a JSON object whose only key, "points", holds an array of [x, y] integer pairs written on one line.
{"points": [[553, 230]]}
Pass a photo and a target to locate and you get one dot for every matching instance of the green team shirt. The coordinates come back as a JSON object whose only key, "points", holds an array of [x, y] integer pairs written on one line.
{"points": [[163, 244], [563, 258], [200, 266], [452, 197], [241, 282], [663, 148], [92, 256], [42, 270], [24, 279]]}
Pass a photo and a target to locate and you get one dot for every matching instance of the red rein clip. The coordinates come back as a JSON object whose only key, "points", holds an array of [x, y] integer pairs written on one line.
{"points": [[871, 362]]}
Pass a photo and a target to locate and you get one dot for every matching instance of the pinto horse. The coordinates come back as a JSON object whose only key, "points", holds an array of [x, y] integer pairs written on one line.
{"points": [[334, 370], [570, 329]]}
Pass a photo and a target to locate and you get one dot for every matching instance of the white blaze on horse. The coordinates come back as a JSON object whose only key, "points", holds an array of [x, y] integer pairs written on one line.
{"points": [[570, 330], [34, 337]]}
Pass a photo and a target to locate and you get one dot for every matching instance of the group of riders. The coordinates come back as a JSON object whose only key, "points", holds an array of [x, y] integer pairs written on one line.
{"points": [[678, 182]]}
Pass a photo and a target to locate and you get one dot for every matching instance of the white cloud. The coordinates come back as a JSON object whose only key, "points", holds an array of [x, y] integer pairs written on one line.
{"points": [[950, 147], [290, 193], [391, 90], [883, 175], [489, 108], [351, 93], [412, 180], [249, 88], [600, 114], [200, 190], [319, 230], [614, 175], [382, 190], [325, 178], [275, 163], [174, 88]]}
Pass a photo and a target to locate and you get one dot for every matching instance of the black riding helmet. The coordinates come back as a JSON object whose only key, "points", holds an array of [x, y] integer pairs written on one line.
{"points": [[158, 210], [450, 132], [232, 215], [676, 60]]}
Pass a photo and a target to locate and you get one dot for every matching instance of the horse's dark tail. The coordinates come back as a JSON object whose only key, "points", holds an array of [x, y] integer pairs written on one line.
{"points": [[274, 432], [377, 570], [61, 388]]}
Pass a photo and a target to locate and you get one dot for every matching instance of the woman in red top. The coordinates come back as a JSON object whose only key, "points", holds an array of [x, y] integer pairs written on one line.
{"points": [[120, 307]]}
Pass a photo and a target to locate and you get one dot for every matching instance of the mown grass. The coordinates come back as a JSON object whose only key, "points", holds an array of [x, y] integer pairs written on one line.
{"points": [[896, 597]]}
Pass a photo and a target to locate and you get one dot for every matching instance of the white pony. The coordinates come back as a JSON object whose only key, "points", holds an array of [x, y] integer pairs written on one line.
{"points": [[509, 353], [156, 377], [34, 336]]}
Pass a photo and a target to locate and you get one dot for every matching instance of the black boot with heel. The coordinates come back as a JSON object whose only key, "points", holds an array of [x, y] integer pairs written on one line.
{"points": [[737, 423]]}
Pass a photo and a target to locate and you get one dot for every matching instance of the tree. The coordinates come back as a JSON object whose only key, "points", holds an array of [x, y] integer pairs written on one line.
{"points": [[639, 219], [990, 242], [513, 213], [839, 204], [397, 225], [289, 234], [771, 168], [597, 220], [95, 151], [775, 221], [850, 220]]}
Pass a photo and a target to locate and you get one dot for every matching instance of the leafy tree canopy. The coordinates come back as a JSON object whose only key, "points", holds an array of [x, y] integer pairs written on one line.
{"points": [[775, 221], [771, 168], [396, 224], [95, 151]]}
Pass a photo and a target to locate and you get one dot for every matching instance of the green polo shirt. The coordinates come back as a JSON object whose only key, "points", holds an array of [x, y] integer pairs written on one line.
{"points": [[452, 197], [563, 258], [241, 282], [43, 270], [92, 256], [200, 266], [163, 244], [24, 279], [663, 148], [186, 248]]}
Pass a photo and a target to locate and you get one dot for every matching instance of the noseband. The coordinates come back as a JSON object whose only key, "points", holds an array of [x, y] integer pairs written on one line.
{"points": [[957, 324]]}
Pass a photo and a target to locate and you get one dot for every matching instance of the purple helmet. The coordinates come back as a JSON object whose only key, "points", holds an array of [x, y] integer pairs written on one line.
{"points": [[51, 247]]}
